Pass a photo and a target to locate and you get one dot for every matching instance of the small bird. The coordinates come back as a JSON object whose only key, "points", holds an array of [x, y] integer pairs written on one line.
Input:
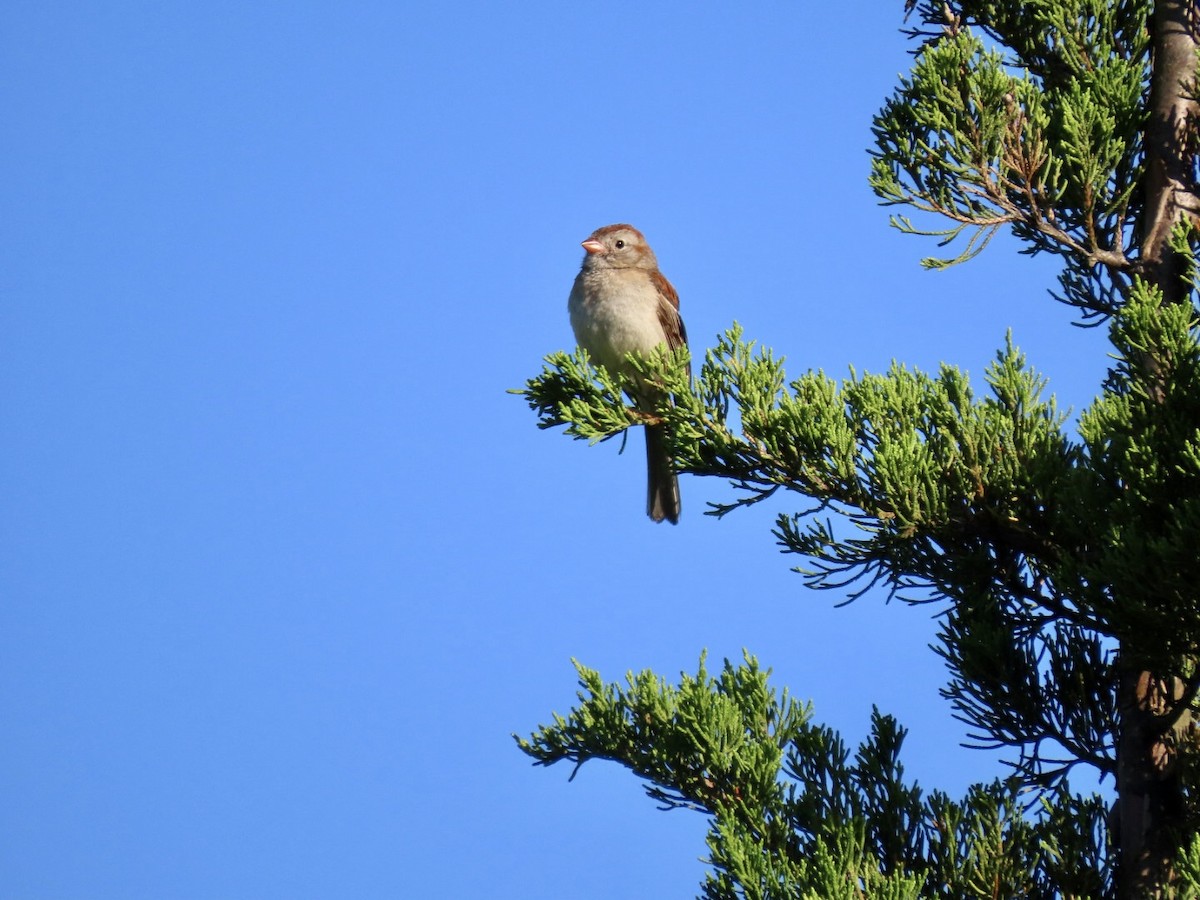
{"points": [[621, 303]]}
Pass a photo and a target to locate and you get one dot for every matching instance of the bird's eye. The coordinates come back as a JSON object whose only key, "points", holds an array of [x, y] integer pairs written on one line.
{"points": [[620, 244]]}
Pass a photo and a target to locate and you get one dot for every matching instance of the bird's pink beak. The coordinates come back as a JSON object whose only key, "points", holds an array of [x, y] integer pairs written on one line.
{"points": [[592, 246]]}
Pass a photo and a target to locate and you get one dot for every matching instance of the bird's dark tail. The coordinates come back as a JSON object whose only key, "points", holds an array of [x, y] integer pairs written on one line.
{"points": [[662, 485]]}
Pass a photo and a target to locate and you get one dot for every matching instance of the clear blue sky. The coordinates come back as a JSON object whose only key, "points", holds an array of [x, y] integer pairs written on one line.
{"points": [[282, 564]]}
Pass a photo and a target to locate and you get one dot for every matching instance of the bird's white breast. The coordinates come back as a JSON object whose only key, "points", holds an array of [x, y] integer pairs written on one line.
{"points": [[614, 313]]}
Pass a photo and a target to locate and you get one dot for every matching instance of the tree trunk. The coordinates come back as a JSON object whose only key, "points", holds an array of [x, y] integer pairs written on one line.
{"points": [[1150, 800], [1170, 145], [1150, 792]]}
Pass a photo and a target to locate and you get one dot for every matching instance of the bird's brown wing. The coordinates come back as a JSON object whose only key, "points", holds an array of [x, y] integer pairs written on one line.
{"points": [[668, 311]]}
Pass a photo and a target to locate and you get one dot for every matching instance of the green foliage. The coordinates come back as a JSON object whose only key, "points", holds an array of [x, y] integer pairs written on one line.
{"points": [[1143, 438], [1188, 871], [793, 815], [914, 462], [1027, 115], [706, 743], [983, 504]]}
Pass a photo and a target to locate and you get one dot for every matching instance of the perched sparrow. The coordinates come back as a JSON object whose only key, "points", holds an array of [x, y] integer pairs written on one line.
{"points": [[621, 304]]}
